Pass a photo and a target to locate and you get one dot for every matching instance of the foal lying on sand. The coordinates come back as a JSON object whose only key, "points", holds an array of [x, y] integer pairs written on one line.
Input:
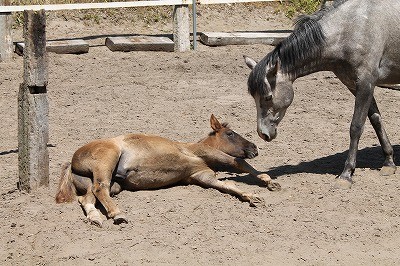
{"points": [[135, 162]]}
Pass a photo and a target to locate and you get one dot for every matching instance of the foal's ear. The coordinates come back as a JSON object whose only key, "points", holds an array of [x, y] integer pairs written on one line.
{"points": [[215, 124], [250, 62]]}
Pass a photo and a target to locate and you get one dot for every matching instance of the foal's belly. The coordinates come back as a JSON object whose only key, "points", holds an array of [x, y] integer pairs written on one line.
{"points": [[146, 178], [155, 170]]}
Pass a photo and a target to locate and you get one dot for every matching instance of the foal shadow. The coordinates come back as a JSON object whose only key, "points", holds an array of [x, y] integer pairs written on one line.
{"points": [[370, 157]]}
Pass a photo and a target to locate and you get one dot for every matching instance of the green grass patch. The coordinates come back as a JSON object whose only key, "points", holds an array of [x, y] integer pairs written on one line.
{"points": [[295, 7]]}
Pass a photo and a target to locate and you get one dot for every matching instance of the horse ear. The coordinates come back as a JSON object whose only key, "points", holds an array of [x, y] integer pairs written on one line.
{"points": [[215, 124], [250, 62]]}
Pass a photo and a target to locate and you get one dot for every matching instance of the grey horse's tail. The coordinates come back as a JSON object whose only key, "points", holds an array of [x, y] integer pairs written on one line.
{"points": [[66, 190]]}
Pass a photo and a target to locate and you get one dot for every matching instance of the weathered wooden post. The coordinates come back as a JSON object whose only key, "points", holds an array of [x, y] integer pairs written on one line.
{"points": [[33, 107], [181, 28], [5, 33]]}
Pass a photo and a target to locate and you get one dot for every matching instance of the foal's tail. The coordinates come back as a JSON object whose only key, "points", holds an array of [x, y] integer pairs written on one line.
{"points": [[66, 189]]}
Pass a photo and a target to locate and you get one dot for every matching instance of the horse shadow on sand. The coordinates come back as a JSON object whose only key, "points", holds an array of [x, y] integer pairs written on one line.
{"points": [[370, 157]]}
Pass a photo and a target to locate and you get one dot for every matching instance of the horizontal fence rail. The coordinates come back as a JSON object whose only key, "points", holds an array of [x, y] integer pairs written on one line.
{"points": [[55, 7]]}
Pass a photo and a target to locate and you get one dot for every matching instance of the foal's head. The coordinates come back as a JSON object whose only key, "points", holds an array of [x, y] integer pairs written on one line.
{"points": [[225, 139]]}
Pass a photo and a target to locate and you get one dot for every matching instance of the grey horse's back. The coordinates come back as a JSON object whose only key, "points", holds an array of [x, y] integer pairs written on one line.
{"points": [[366, 33]]}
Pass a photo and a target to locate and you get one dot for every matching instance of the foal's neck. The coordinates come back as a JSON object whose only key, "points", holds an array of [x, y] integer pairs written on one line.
{"points": [[209, 140]]}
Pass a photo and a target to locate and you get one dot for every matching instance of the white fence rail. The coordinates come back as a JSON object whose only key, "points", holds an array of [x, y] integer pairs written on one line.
{"points": [[53, 7], [5, 9]]}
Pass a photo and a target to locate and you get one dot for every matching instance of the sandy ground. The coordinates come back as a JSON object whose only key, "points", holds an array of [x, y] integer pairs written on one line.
{"points": [[104, 93]]}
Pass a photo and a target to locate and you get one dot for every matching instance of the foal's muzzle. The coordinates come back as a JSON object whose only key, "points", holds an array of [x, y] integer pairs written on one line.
{"points": [[252, 151]]}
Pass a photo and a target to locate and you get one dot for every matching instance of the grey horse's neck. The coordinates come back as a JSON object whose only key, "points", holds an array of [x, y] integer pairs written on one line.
{"points": [[302, 52], [299, 54]]}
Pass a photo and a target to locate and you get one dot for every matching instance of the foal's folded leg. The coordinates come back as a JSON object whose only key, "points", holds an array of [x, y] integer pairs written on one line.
{"points": [[207, 179], [88, 202], [83, 185], [101, 189]]}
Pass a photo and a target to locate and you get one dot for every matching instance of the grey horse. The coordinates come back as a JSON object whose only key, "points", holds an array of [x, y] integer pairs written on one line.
{"points": [[358, 40]]}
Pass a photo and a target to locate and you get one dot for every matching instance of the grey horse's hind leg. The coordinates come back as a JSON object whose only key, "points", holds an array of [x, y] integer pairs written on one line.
{"points": [[375, 118]]}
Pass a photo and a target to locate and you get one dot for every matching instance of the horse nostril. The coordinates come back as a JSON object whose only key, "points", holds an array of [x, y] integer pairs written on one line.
{"points": [[265, 137]]}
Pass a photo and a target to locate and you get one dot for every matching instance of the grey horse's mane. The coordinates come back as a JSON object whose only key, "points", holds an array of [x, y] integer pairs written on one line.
{"points": [[304, 44]]}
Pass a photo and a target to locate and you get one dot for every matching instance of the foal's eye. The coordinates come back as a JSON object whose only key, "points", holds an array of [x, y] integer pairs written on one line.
{"points": [[230, 133]]}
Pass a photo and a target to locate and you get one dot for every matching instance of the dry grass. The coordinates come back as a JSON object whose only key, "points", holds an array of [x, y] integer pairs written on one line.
{"points": [[148, 15]]}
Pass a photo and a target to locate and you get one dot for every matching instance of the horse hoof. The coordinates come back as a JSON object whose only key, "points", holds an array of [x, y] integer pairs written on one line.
{"points": [[119, 219], [94, 218], [273, 186], [388, 170], [256, 201], [342, 183], [97, 223]]}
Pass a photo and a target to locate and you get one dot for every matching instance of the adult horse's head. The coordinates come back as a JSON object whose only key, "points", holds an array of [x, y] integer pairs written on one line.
{"points": [[270, 81], [273, 93]]}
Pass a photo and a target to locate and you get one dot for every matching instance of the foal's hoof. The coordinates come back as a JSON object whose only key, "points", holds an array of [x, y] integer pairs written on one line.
{"points": [[96, 222], [388, 170], [94, 218], [255, 201], [273, 186], [119, 219], [342, 183]]}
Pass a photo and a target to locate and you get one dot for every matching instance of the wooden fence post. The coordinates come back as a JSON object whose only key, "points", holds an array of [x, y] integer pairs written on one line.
{"points": [[33, 107], [5, 33], [181, 28]]}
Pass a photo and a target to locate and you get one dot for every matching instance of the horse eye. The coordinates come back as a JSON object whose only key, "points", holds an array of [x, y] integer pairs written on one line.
{"points": [[230, 133]]}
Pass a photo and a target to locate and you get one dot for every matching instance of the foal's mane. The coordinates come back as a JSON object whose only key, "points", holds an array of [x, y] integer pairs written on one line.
{"points": [[305, 44]]}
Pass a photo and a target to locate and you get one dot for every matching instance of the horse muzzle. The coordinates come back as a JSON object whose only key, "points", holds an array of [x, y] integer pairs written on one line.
{"points": [[267, 135], [252, 152]]}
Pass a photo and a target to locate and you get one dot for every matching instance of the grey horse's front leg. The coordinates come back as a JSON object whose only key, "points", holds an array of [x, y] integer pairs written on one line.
{"points": [[363, 99], [375, 118]]}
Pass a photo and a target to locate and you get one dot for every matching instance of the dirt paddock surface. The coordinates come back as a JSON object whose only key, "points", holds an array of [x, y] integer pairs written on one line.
{"points": [[103, 94]]}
